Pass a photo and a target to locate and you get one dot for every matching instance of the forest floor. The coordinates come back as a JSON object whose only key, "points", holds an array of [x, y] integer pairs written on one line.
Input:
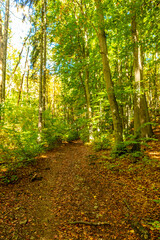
{"points": [[74, 193]]}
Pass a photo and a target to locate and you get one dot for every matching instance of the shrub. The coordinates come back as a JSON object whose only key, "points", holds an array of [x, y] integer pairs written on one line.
{"points": [[101, 143]]}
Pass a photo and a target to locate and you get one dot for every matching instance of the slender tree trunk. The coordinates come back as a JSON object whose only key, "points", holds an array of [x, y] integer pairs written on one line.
{"points": [[5, 49], [45, 54], [21, 85], [137, 80], [1, 60], [20, 55], [86, 82], [155, 83], [53, 100], [27, 81], [128, 107], [117, 121], [40, 121], [86, 74], [121, 89]]}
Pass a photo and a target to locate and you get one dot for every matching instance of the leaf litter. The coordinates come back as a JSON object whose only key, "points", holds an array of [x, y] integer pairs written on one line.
{"points": [[75, 193]]}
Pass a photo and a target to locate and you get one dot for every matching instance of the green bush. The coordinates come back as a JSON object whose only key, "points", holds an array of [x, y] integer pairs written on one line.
{"points": [[50, 138], [101, 143], [72, 135], [19, 146]]}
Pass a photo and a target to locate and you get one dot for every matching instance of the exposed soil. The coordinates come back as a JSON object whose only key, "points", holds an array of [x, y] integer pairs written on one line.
{"points": [[74, 193]]}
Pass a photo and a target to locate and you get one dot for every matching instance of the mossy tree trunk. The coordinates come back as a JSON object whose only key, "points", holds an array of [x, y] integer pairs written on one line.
{"points": [[117, 121]]}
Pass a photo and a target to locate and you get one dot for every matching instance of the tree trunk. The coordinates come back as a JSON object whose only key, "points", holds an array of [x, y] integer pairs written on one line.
{"points": [[85, 74], [45, 54], [86, 83], [155, 84], [84, 78], [117, 122], [27, 81], [146, 130], [40, 120], [121, 110], [137, 80], [141, 115], [128, 76], [1, 60], [20, 55], [5, 50], [21, 85]]}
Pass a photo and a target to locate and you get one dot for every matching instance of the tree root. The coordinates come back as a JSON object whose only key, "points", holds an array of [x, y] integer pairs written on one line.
{"points": [[143, 232], [90, 223]]}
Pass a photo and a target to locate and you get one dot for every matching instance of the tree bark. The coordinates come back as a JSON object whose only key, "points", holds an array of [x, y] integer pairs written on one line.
{"points": [[137, 80], [121, 110], [84, 73], [44, 5], [146, 130], [129, 97], [40, 120], [1, 62], [86, 83], [155, 84], [141, 115], [5, 49], [21, 85], [27, 81], [117, 121]]}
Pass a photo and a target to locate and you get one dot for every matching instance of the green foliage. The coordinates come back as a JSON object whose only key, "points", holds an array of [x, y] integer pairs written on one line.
{"points": [[155, 225], [83, 129], [58, 129], [20, 140], [84, 135], [18, 146], [51, 134], [112, 166], [19, 136], [9, 178], [137, 154], [119, 150], [49, 138], [72, 135], [74, 56], [102, 143]]}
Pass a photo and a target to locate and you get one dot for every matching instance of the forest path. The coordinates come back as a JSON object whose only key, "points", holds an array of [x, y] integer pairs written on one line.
{"points": [[72, 183]]}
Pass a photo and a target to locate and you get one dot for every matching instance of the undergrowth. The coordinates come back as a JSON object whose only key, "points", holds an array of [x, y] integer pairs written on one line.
{"points": [[20, 140]]}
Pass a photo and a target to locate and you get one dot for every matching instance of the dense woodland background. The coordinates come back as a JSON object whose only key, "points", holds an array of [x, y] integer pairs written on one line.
{"points": [[88, 69]]}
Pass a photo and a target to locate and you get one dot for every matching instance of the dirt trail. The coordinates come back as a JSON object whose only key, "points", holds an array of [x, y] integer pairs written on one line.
{"points": [[67, 185]]}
